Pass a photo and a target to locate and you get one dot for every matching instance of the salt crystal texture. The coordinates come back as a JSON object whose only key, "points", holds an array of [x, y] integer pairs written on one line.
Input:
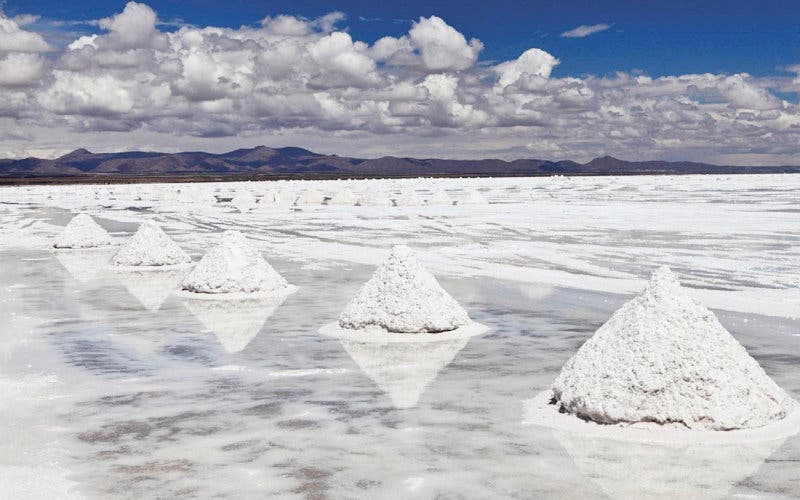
{"points": [[408, 198], [440, 198], [233, 266], [665, 358], [374, 198], [82, 232], [150, 247], [344, 196], [403, 297]]}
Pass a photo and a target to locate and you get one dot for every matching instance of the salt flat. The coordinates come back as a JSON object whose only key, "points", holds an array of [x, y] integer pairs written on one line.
{"points": [[116, 392]]}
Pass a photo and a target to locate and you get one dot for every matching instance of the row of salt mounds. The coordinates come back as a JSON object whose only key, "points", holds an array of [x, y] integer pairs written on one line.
{"points": [[664, 358], [150, 247], [344, 196], [440, 197], [310, 197], [402, 297], [374, 198], [408, 198], [82, 232], [234, 268]]}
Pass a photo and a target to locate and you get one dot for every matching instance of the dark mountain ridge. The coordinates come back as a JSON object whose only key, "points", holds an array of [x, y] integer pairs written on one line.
{"points": [[293, 162]]}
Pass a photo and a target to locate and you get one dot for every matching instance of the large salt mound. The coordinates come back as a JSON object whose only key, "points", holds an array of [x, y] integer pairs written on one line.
{"points": [[82, 232], [234, 266], [408, 198], [664, 358], [440, 198], [310, 197], [374, 198], [150, 247], [344, 196], [403, 297]]}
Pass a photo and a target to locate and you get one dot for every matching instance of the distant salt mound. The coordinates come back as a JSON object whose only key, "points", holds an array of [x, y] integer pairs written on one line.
{"points": [[374, 198], [664, 358], [343, 197], [440, 198], [150, 247], [285, 197], [310, 197], [82, 232], [474, 197], [269, 198], [234, 266], [403, 297], [409, 198], [244, 200]]}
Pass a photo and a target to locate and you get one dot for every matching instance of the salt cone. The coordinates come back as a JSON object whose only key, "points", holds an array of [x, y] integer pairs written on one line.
{"points": [[403, 297], [150, 247], [310, 197], [343, 197], [440, 198], [374, 198], [82, 232], [474, 197], [234, 266], [665, 358], [409, 198]]}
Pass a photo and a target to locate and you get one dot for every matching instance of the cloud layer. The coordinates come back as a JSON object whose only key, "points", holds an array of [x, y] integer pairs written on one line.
{"points": [[290, 80]]}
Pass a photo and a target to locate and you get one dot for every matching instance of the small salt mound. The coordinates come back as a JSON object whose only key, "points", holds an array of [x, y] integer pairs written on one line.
{"points": [[344, 196], [269, 198], [310, 197], [233, 266], [440, 198], [474, 197], [244, 200], [374, 198], [408, 198], [285, 197], [403, 297], [82, 232], [664, 358], [150, 246]]}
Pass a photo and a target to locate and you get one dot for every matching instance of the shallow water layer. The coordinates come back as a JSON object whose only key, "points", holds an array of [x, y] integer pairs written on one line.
{"points": [[115, 388]]}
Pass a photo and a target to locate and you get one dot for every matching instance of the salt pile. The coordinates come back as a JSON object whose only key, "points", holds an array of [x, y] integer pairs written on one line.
{"points": [[82, 232], [150, 247], [374, 198], [403, 297], [408, 198], [664, 358], [440, 198], [310, 197], [234, 266], [344, 196], [244, 200], [474, 197], [285, 197]]}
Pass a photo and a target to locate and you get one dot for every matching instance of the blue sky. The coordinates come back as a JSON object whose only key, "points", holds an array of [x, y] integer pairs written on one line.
{"points": [[705, 81], [657, 37]]}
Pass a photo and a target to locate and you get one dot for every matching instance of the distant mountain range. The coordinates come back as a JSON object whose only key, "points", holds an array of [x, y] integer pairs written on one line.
{"points": [[263, 162]]}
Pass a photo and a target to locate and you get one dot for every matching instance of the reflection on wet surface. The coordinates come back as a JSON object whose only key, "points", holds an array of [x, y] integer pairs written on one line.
{"points": [[156, 396]]}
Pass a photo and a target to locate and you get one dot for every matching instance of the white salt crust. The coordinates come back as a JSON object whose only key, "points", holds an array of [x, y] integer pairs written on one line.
{"points": [[440, 198], [474, 197], [150, 247], [664, 358], [374, 198], [403, 297], [409, 198], [234, 267], [310, 197], [344, 197], [82, 232]]}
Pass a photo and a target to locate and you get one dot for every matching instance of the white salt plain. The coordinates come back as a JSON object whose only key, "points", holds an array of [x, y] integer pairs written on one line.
{"points": [[110, 399]]}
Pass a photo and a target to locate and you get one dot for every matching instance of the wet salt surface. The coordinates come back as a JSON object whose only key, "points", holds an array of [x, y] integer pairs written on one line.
{"points": [[151, 404], [113, 390]]}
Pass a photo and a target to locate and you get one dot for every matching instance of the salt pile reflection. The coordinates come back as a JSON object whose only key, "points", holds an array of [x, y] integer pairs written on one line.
{"points": [[151, 287], [235, 322]]}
